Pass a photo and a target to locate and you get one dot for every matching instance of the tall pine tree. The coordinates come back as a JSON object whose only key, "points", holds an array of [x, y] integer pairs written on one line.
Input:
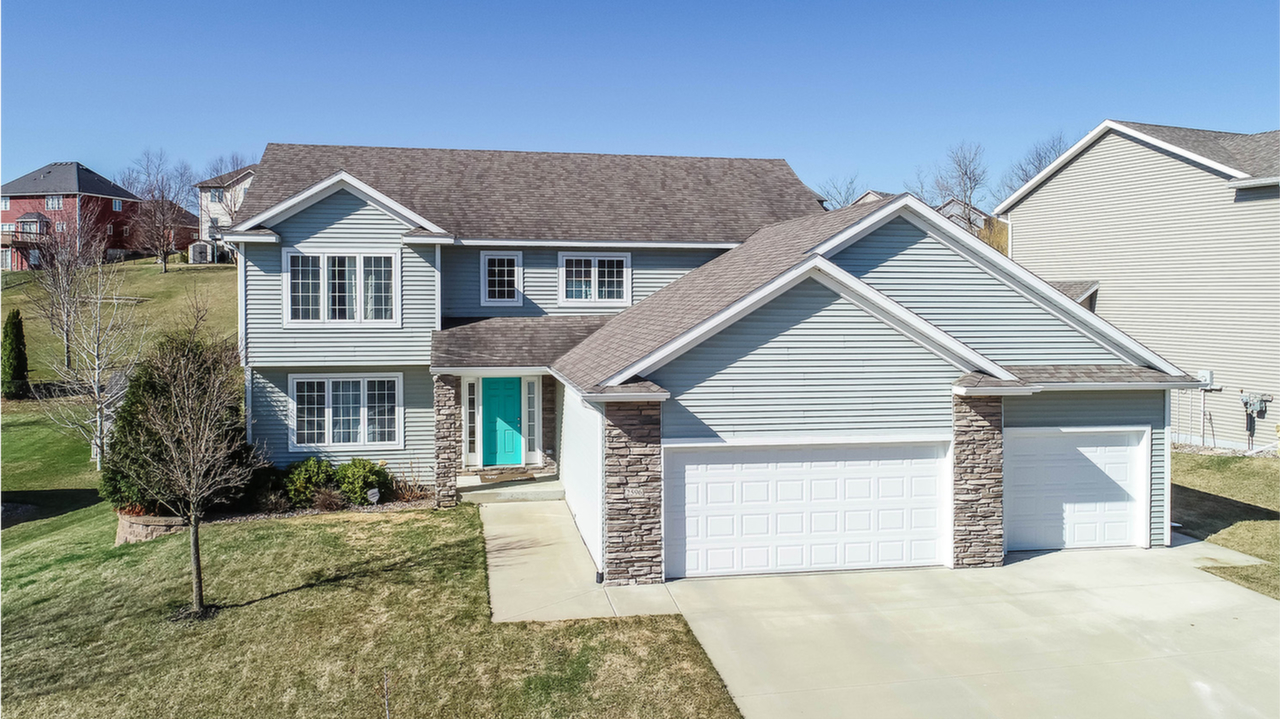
{"points": [[13, 358]]}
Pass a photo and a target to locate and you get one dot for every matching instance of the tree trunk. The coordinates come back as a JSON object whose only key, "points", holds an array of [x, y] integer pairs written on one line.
{"points": [[164, 262], [66, 347], [197, 577]]}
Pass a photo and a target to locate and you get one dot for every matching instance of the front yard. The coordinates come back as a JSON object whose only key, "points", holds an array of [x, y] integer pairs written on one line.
{"points": [[314, 610], [1234, 502]]}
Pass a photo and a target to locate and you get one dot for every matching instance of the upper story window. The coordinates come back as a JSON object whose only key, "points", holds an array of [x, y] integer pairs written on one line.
{"points": [[60, 227], [595, 279], [341, 288], [501, 278], [53, 202], [8, 227], [215, 194], [117, 205], [4, 204]]}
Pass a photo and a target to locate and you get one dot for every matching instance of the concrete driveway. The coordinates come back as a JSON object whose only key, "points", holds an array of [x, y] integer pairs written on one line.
{"points": [[1107, 633]]}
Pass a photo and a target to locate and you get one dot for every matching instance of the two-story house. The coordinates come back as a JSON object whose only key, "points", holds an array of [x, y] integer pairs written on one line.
{"points": [[54, 199], [1173, 235], [220, 200], [726, 378]]}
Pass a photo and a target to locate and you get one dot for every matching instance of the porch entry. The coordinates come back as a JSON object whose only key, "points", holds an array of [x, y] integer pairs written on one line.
{"points": [[501, 436]]}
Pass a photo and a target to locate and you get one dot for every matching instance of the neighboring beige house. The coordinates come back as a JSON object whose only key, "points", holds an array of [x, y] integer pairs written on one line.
{"points": [[220, 199], [1180, 229]]}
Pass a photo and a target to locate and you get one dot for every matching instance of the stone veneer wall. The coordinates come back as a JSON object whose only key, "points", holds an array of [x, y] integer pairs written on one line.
{"points": [[130, 528], [549, 445], [978, 424], [633, 493], [448, 410]]}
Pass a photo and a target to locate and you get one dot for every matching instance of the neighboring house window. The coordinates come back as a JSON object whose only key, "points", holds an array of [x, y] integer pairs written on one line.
{"points": [[4, 204], [8, 227], [126, 230], [595, 279], [117, 205], [6, 259], [341, 288], [60, 227], [194, 235], [347, 410], [30, 226], [215, 195], [501, 278], [110, 229], [53, 202], [33, 257]]}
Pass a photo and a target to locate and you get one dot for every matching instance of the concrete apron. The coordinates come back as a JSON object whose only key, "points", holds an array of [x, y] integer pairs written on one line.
{"points": [[539, 569], [1088, 633]]}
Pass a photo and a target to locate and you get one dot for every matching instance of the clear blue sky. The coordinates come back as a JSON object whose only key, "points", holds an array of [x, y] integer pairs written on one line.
{"points": [[873, 88]]}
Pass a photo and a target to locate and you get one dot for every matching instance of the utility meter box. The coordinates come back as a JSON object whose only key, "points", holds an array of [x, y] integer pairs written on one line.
{"points": [[1206, 376]]}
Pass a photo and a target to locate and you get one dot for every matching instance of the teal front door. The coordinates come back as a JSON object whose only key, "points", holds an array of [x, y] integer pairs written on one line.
{"points": [[500, 408]]}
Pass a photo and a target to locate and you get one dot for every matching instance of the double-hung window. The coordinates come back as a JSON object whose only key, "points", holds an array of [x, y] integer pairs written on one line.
{"points": [[341, 288], [4, 204], [53, 202], [337, 411], [215, 194], [117, 205], [595, 280], [501, 278]]}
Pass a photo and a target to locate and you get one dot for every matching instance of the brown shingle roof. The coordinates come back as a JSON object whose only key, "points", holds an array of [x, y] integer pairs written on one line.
{"points": [[1071, 374], [225, 178], [1257, 154], [511, 341], [981, 380], [485, 194], [1075, 289], [683, 304]]}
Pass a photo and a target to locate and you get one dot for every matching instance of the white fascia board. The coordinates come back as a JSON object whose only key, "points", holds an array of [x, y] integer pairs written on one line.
{"points": [[426, 240], [860, 293], [1094, 386], [490, 371], [1005, 270], [995, 391], [250, 237], [1088, 140], [1250, 182], [596, 245], [341, 180]]}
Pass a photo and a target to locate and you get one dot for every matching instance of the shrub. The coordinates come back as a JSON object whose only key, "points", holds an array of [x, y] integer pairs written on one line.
{"points": [[306, 477], [184, 257], [357, 477], [274, 502], [328, 499], [131, 441], [13, 358]]}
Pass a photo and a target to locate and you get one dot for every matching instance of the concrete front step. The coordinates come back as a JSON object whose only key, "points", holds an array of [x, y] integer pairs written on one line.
{"points": [[540, 490]]}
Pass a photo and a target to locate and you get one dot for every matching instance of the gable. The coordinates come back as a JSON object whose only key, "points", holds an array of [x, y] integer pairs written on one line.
{"points": [[341, 221], [949, 291], [808, 362]]}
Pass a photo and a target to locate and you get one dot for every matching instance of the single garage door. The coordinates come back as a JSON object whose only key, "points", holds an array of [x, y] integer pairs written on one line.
{"points": [[757, 510], [1076, 487]]}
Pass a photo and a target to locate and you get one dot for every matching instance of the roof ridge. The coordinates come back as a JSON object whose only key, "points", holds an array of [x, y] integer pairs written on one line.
{"points": [[529, 152]]}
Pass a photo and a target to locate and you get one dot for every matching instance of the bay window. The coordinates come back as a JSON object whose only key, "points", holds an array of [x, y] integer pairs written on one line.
{"points": [[356, 411], [601, 280], [341, 288]]}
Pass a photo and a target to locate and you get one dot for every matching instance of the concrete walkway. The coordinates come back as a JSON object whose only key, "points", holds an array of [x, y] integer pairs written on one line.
{"points": [[1105, 633], [539, 569]]}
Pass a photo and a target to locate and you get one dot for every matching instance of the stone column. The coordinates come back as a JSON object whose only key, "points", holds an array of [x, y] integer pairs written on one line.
{"points": [[549, 420], [447, 402], [633, 493], [978, 425]]}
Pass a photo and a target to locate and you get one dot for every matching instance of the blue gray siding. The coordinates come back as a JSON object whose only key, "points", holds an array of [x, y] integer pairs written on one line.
{"points": [[270, 417], [1081, 409], [341, 222], [929, 278], [651, 270], [807, 363]]}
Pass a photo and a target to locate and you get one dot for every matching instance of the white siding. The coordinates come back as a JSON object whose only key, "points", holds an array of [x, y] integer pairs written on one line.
{"points": [[582, 466], [342, 223], [1187, 266], [964, 300], [807, 363], [651, 270]]}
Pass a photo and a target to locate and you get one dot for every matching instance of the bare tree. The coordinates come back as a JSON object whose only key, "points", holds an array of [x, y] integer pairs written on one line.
{"points": [[104, 340], [962, 176], [71, 242], [167, 191], [227, 201], [1041, 155], [840, 191], [195, 409]]}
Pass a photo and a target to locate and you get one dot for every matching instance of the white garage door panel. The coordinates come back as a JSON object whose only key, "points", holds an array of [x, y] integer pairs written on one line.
{"points": [[1077, 488], [763, 510]]}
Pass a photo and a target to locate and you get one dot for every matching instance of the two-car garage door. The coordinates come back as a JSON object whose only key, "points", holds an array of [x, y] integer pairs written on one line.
{"points": [[758, 510]]}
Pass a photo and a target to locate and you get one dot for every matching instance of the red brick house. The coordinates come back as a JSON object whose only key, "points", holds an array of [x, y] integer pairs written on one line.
{"points": [[54, 198]]}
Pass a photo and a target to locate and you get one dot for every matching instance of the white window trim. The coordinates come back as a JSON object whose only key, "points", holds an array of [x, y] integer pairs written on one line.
{"points": [[563, 301], [47, 198], [328, 379], [532, 454], [4, 204], [358, 321], [484, 280], [117, 205]]}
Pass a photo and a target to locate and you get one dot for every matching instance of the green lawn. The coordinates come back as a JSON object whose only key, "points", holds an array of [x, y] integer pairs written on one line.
{"points": [[1234, 502], [313, 611], [42, 466], [166, 304]]}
